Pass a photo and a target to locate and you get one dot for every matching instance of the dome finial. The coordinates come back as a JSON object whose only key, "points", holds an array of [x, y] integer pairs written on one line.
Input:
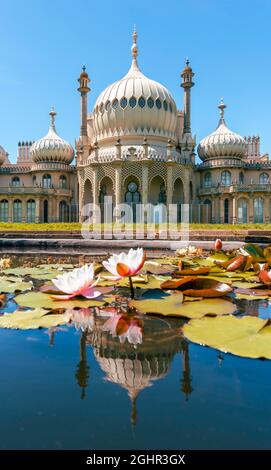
{"points": [[221, 107], [52, 115], [134, 50]]}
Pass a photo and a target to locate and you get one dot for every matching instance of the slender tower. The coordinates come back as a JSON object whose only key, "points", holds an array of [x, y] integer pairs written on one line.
{"points": [[187, 83], [84, 90]]}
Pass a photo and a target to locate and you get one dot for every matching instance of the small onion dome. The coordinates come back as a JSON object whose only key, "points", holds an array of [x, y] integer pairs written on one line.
{"points": [[52, 148], [3, 155], [222, 142], [135, 105], [187, 68], [83, 74]]}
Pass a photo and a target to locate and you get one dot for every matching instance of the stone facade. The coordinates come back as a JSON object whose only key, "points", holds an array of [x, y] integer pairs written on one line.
{"points": [[42, 186], [136, 146]]}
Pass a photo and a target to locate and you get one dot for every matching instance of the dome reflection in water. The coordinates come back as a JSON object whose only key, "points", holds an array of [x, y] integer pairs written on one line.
{"points": [[132, 351]]}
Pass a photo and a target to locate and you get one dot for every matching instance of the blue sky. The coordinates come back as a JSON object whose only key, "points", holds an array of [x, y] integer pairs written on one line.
{"points": [[44, 43]]}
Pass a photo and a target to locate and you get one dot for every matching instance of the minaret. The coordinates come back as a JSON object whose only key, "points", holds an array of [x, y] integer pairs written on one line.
{"points": [[83, 90], [82, 371], [222, 106], [187, 83], [186, 381]]}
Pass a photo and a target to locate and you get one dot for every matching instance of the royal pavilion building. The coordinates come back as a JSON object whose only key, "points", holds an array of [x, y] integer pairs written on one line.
{"points": [[136, 146]]}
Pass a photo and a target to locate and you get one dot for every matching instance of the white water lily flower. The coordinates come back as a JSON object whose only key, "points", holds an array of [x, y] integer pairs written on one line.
{"points": [[79, 281], [125, 264]]}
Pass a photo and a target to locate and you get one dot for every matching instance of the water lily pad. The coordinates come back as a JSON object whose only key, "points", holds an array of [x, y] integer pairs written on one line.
{"points": [[255, 250], [245, 336], [251, 297], [143, 281], [173, 305], [246, 284], [34, 299], [32, 319], [12, 284], [198, 287], [45, 272], [192, 272], [153, 267]]}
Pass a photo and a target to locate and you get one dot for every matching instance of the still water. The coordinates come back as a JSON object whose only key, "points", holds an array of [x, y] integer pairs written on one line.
{"points": [[67, 389], [78, 387]]}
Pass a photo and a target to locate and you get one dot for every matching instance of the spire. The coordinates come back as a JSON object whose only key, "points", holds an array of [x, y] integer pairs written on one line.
{"points": [[221, 107], [134, 50], [52, 116]]}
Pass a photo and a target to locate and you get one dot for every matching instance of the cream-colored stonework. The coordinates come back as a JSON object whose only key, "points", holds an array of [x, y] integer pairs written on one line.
{"points": [[136, 146], [42, 185]]}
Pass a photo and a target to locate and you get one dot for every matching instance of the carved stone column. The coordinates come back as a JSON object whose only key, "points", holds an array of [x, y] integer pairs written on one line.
{"points": [[170, 182], [145, 183], [10, 210], [221, 215], [234, 210], [250, 211], [266, 211], [37, 215], [23, 210]]}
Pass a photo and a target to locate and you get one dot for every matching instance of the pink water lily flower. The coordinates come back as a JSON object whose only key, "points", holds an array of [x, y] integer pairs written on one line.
{"points": [[125, 328], [79, 281], [125, 264]]}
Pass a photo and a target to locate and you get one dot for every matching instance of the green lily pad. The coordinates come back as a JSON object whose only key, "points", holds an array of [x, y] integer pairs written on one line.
{"points": [[246, 284], [172, 305], [32, 319], [34, 299], [251, 297], [12, 284], [59, 267], [144, 282], [245, 336], [255, 250]]}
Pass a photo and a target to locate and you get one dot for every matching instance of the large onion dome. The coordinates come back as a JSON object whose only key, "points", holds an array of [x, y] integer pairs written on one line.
{"points": [[135, 105], [3, 154], [222, 142], [52, 148]]}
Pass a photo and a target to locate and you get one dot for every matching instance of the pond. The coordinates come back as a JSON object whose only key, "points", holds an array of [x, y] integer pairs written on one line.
{"points": [[78, 386]]}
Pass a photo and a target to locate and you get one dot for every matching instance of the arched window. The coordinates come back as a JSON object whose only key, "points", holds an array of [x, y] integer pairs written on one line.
{"points": [[102, 194], [258, 210], [17, 210], [207, 180], [63, 211], [4, 210], [34, 180], [241, 178], [47, 181], [132, 195], [30, 211], [162, 199], [264, 178], [63, 182], [45, 212], [242, 211], [15, 181], [226, 211], [226, 178]]}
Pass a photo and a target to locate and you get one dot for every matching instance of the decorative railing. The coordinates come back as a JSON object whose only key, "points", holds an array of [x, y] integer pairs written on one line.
{"points": [[235, 188], [36, 190], [37, 167]]}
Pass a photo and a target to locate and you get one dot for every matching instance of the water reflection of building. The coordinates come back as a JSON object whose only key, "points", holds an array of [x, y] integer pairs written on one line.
{"points": [[82, 370], [135, 368]]}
